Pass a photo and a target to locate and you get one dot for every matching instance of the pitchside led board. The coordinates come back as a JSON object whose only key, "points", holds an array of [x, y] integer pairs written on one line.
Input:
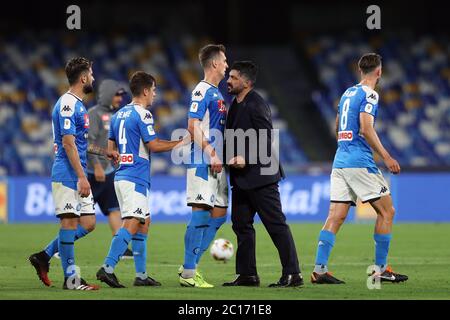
{"points": [[417, 197]]}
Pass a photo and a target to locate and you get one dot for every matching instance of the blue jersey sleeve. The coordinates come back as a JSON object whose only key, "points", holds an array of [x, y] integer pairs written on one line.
{"points": [[369, 102], [111, 133], [146, 128], [67, 117], [198, 105]]}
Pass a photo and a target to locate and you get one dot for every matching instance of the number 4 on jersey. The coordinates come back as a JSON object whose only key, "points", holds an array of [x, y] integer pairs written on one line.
{"points": [[122, 136]]}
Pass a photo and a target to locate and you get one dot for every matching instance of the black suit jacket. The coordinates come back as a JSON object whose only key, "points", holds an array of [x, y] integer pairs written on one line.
{"points": [[252, 113]]}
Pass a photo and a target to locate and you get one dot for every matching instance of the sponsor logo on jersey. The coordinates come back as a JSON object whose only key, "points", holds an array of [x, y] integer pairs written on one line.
{"points": [[345, 135], [368, 108], [150, 130], [194, 107], [55, 148], [221, 106], [86, 121], [126, 158], [105, 117], [67, 124], [372, 98]]}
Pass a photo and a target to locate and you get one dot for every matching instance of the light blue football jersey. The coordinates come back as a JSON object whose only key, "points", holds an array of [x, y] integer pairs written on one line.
{"points": [[353, 150], [69, 117], [131, 128], [207, 105]]}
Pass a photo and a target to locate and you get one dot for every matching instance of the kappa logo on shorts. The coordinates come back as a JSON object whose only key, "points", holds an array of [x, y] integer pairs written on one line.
{"points": [[138, 211], [383, 190], [68, 206], [199, 198]]}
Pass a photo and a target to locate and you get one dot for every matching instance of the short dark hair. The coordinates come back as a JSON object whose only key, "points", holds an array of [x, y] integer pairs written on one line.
{"points": [[75, 67], [208, 52], [248, 69], [139, 81], [369, 62]]}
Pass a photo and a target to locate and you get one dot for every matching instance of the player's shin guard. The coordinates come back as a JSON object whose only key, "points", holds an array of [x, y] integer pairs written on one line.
{"points": [[139, 246], [66, 241], [193, 238], [382, 242], [326, 243], [119, 244], [210, 233], [52, 247]]}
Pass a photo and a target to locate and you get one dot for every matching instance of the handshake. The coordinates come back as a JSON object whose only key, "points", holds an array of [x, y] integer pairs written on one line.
{"points": [[237, 162]]}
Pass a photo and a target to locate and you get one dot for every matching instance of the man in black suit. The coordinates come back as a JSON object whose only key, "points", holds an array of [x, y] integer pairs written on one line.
{"points": [[254, 180]]}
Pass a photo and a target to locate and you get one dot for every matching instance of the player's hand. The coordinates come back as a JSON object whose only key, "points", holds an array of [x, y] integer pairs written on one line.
{"points": [[237, 162], [216, 164], [392, 165], [187, 139], [99, 173], [113, 156], [83, 186]]}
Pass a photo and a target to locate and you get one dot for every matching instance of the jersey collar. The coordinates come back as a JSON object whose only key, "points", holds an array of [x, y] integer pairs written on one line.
{"points": [[75, 96], [209, 83], [139, 105]]}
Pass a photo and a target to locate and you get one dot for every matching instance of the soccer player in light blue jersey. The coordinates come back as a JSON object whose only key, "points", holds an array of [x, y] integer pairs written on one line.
{"points": [[71, 191], [355, 174], [207, 186], [133, 135]]}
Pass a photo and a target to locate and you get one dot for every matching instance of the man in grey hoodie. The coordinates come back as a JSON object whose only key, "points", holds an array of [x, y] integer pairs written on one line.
{"points": [[100, 169]]}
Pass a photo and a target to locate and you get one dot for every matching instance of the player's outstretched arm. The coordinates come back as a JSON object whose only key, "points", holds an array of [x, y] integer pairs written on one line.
{"points": [[68, 142], [199, 138], [111, 154], [158, 145], [369, 133]]}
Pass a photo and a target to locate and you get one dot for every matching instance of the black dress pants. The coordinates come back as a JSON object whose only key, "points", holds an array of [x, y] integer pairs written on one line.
{"points": [[266, 202]]}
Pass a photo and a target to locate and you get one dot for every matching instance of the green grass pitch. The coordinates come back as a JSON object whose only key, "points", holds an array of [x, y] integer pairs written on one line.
{"points": [[421, 251]]}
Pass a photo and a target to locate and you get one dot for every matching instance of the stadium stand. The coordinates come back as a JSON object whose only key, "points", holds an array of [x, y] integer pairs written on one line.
{"points": [[32, 78], [414, 114]]}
